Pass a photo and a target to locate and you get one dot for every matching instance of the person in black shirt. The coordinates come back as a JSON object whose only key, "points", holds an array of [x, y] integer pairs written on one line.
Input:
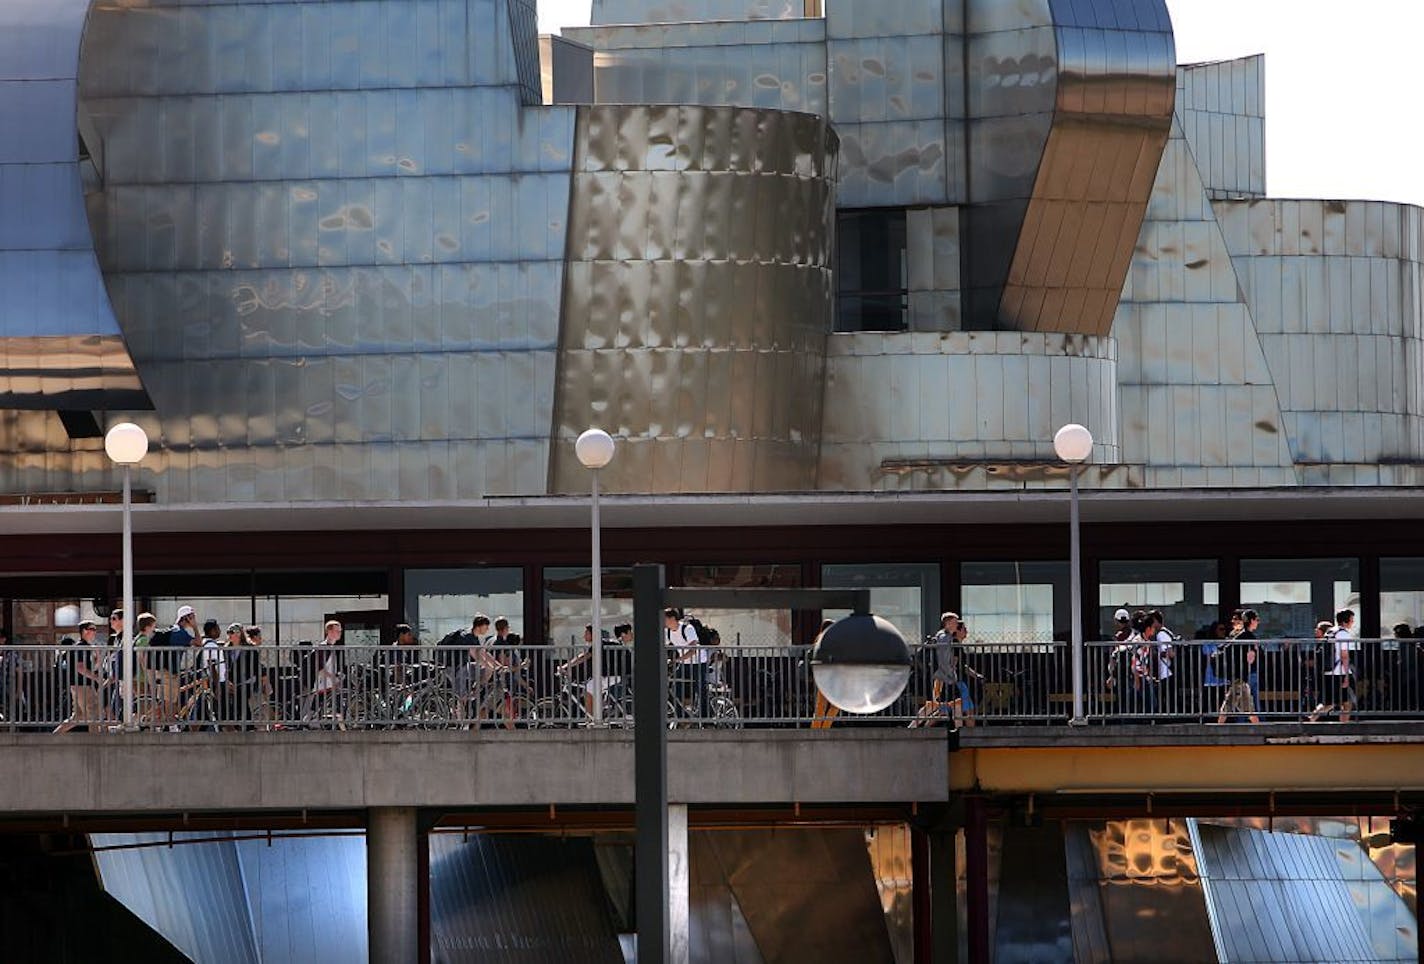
{"points": [[1236, 661]]}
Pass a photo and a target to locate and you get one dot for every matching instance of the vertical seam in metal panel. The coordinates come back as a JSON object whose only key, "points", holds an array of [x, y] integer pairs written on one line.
{"points": [[1204, 875], [561, 349]]}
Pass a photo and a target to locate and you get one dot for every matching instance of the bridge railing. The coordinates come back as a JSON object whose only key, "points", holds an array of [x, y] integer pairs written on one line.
{"points": [[43, 688]]}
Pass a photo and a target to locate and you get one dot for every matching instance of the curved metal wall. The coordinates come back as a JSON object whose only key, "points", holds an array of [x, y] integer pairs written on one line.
{"points": [[60, 345], [698, 299], [941, 410], [334, 235], [1052, 227]]}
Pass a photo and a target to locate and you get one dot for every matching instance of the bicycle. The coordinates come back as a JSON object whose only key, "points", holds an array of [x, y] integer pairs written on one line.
{"points": [[568, 707], [202, 706]]}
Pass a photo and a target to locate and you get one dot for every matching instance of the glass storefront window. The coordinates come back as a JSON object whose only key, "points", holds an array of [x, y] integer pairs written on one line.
{"points": [[441, 601], [1401, 593], [906, 594], [568, 591], [1010, 602], [749, 627], [46, 622], [1292, 595], [1186, 590]]}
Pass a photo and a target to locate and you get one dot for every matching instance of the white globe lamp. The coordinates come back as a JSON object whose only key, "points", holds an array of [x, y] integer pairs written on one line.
{"points": [[594, 449], [1073, 443]]}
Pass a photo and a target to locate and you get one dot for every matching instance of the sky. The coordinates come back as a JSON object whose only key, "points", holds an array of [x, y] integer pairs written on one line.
{"points": [[1344, 91]]}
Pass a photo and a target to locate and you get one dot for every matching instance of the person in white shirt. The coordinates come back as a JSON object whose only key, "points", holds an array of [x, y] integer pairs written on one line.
{"points": [[1340, 677], [326, 679], [680, 636]]}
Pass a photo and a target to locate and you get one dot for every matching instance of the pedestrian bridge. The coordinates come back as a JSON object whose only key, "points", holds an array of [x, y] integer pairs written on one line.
{"points": [[1119, 766]]}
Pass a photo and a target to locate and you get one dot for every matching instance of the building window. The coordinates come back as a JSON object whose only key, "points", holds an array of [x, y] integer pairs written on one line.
{"points": [[907, 595], [1015, 602], [1401, 594], [872, 271], [1292, 595], [568, 591], [1185, 590], [441, 601], [747, 627]]}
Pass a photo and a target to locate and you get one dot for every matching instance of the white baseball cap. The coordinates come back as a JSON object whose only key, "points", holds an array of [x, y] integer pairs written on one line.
{"points": [[184, 612], [1122, 614]]}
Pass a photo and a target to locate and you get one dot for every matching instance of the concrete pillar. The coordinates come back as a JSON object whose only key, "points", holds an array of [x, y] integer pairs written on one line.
{"points": [[679, 887], [393, 885]]}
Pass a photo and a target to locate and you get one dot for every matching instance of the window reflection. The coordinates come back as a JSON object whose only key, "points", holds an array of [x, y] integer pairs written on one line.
{"points": [[1292, 595], [1401, 593], [568, 594], [752, 627], [441, 601], [905, 594], [1186, 590], [1003, 602]]}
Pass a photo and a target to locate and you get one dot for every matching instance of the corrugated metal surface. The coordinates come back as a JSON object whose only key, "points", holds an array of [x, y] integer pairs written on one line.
{"points": [[518, 899], [192, 894], [1297, 897]]}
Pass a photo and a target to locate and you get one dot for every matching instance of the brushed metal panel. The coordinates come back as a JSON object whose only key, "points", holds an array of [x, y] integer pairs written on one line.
{"points": [[60, 340], [1071, 106], [294, 271], [741, 371]]}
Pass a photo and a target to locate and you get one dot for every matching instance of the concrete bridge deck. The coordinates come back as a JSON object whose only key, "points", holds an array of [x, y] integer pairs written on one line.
{"points": [[152, 772]]}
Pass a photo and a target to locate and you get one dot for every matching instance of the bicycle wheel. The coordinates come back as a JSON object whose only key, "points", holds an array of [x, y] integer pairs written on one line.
{"points": [[725, 715], [548, 713], [431, 711]]}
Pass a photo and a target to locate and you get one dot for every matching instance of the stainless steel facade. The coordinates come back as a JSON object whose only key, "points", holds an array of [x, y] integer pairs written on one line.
{"points": [[60, 344], [353, 257], [699, 295]]}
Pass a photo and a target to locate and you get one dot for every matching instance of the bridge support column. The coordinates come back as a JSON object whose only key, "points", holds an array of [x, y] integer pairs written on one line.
{"points": [[976, 871], [933, 888], [679, 887], [393, 885]]}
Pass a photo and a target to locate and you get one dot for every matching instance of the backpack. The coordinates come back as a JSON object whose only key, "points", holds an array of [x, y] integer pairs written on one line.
{"points": [[170, 661], [449, 651], [704, 634]]}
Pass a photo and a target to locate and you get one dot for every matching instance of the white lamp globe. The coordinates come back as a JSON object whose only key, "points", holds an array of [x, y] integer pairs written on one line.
{"points": [[594, 448], [1073, 443], [126, 443]]}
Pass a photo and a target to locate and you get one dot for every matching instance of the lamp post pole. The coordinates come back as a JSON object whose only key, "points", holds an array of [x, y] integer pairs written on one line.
{"points": [[1074, 444], [597, 679], [126, 444], [594, 449], [130, 617], [1075, 587]]}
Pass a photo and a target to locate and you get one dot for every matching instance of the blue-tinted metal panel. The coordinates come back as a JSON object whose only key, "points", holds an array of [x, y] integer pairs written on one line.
{"points": [[193, 893], [307, 897], [1298, 897], [502, 900], [60, 344]]}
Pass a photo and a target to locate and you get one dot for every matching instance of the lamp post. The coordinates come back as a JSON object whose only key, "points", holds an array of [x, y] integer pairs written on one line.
{"points": [[126, 444], [594, 449], [1074, 445], [861, 663]]}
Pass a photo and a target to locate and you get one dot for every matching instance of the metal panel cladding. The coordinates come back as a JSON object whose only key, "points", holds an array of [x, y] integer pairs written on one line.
{"points": [[60, 345], [334, 232], [1094, 85], [698, 299]]}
